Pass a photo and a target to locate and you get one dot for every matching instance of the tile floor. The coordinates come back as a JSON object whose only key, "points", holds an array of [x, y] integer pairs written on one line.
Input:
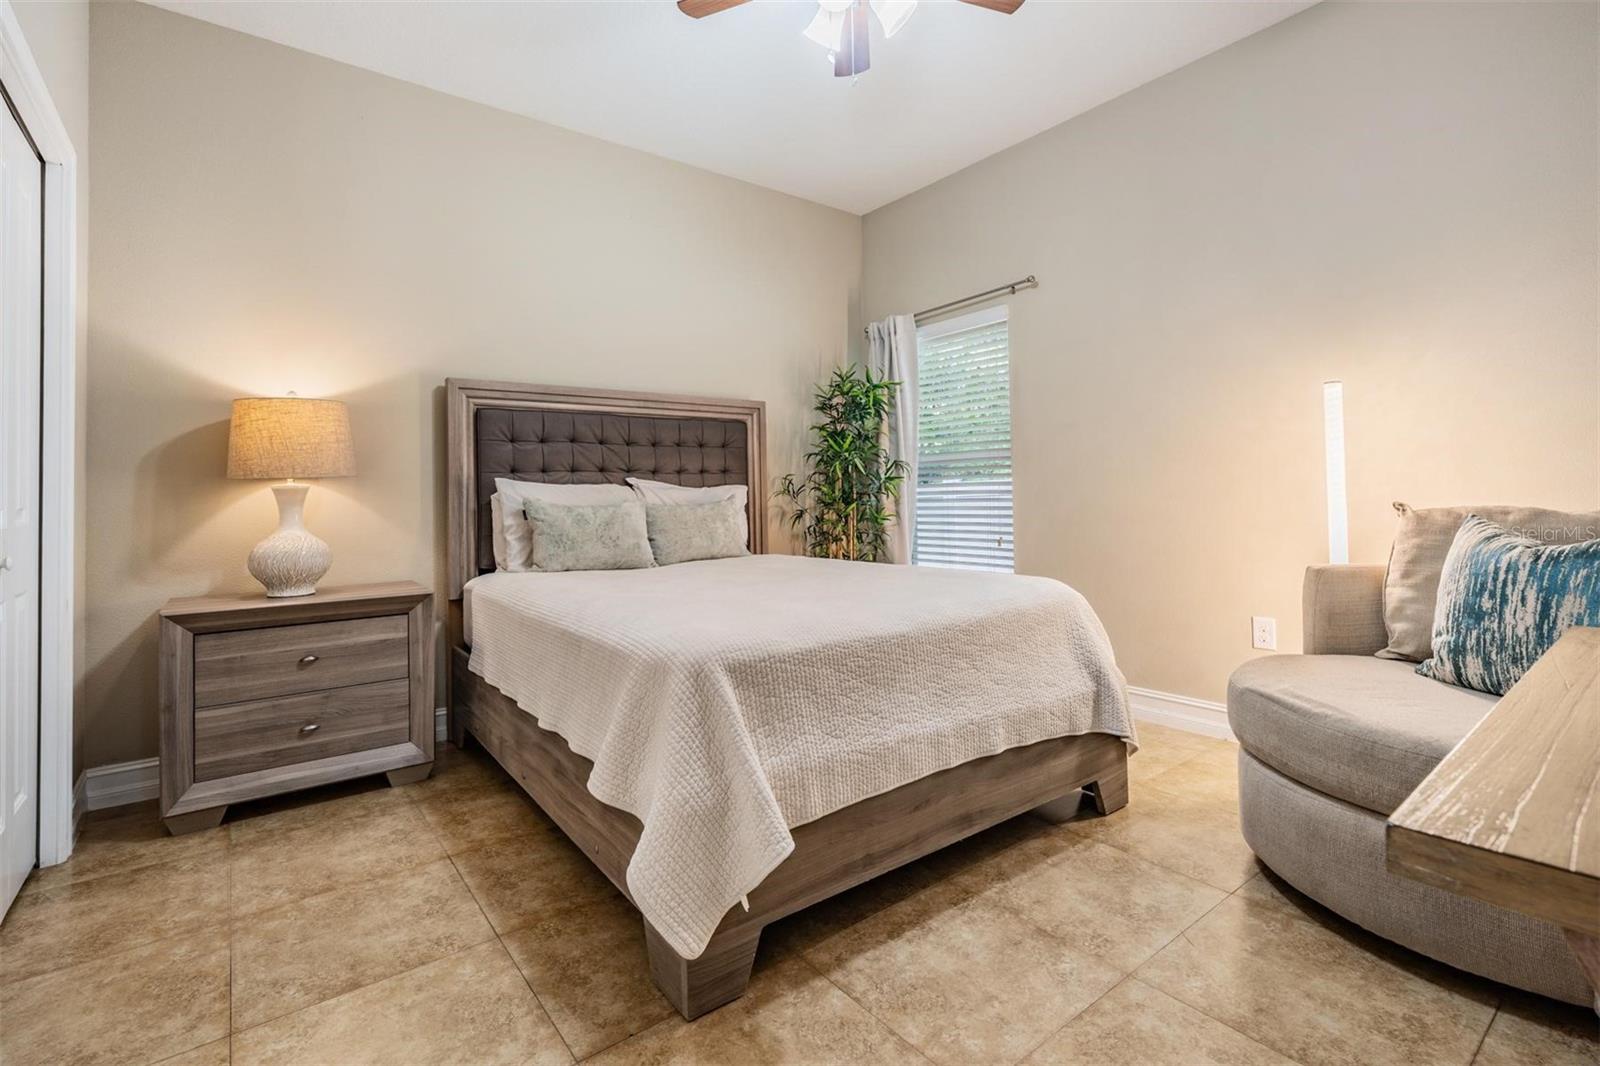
{"points": [[450, 921]]}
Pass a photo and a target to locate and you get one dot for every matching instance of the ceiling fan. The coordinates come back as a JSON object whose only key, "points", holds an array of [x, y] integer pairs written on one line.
{"points": [[841, 25]]}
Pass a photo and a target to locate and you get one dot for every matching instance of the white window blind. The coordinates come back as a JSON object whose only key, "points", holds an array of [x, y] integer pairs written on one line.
{"points": [[963, 500]]}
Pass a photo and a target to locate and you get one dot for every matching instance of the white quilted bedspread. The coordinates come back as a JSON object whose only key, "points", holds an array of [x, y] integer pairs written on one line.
{"points": [[724, 702]]}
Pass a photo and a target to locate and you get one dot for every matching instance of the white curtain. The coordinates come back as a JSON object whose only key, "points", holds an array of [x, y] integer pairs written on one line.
{"points": [[892, 354]]}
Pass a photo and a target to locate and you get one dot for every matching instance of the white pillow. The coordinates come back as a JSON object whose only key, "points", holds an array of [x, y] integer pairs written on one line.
{"points": [[514, 522], [497, 532], [661, 492]]}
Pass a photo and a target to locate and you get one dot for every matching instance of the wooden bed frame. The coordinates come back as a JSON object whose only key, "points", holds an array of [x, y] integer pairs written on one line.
{"points": [[831, 854]]}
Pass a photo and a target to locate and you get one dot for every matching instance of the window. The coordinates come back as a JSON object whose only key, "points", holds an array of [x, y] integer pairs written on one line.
{"points": [[963, 490]]}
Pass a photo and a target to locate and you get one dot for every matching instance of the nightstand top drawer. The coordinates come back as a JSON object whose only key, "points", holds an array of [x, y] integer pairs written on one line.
{"points": [[244, 737], [254, 664]]}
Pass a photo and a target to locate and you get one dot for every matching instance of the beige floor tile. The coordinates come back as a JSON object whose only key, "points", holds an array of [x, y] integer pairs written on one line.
{"points": [[54, 927], [1197, 837], [319, 947], [1533, 1031], [588, 967], [215, 1053], [455, 770], [809, 927], [533, 874], [1165, 738], [141, 1005], [313, 807], [1148, 763], [963, 980], [472, 817], [1208, 775], [1267, 887], [1136, 1025], [471, 1007], [1096, 899], [128, 838], [789, 1015], [1316, 994], [271, 869]]}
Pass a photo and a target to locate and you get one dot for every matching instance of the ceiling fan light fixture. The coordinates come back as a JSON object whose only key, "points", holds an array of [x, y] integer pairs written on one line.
{"points": [[893, 14], [841, 27], [827, 29]]}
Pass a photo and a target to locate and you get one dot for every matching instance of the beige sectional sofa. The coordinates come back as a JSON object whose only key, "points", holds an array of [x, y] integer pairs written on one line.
{"points": [[1330, 742]]}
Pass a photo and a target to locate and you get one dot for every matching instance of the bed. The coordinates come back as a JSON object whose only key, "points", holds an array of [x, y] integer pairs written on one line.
{"points": [[732, 740]]}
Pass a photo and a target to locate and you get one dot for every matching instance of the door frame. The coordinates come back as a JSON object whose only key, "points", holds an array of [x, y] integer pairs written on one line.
{"points": [[58, 445]]}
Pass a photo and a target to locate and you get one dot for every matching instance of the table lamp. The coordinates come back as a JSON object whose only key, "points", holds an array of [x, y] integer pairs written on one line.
{"points": [[290, 437]]}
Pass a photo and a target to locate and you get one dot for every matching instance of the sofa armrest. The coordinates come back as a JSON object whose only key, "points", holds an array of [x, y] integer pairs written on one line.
{"points": [[1343, 610]]}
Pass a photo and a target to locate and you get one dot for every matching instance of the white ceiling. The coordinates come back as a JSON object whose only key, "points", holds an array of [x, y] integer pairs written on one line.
{"points": [[742, 93]]}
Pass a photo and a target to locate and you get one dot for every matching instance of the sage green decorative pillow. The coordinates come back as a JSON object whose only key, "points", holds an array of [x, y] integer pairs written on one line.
{"points": [[572, 536], [684, 532]]}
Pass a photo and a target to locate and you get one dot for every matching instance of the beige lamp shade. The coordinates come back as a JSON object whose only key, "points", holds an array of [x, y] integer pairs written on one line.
{"points": [[289, 437]]}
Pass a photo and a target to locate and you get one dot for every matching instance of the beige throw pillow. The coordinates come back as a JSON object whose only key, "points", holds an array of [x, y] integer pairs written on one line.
{"points": [[1411, 586]]}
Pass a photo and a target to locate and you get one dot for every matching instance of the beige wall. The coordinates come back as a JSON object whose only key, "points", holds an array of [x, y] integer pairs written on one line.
{"points": [[266, 220], [1402, 196], [57, 32]]}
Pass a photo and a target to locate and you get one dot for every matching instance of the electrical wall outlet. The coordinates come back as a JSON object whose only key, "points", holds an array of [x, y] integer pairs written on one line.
{"points": [[1263, 633]]}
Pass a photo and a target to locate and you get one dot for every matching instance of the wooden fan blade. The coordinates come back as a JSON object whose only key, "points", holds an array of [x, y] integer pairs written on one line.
{"points": [[1005, 7], [699, 9]]}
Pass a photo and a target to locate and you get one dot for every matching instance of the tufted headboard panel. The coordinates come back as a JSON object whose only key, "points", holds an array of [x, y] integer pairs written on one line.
{"points": [[589, 437], [595, 448]]}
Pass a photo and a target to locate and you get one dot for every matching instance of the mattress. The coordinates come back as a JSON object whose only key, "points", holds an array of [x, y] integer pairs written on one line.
{"points": [[725, 702]]}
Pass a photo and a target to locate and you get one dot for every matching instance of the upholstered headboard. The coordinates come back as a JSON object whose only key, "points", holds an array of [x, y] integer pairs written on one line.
{"points": [[586, 436]]}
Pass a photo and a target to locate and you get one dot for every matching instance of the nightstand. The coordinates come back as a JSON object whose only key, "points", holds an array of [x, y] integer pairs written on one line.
{"points": [[262, 696]]}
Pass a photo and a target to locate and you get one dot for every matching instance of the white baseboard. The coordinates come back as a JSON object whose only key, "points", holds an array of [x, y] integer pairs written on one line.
{"points": [[80, 802], [121, 783], [1180, 712], [100, 787]]}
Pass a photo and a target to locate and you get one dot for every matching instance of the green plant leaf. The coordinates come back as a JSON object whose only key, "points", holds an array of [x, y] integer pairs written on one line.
{"points": [[840, 500]]}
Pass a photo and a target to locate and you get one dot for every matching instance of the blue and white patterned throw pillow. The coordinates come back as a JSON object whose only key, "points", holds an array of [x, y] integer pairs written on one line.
{"points": [[1504, 600]]}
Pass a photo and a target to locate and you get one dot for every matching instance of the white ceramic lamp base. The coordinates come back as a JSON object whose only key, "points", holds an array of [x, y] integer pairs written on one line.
{"points": [[292, 560]]}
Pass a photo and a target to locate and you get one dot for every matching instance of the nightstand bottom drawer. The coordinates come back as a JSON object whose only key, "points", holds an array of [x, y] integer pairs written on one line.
{"points": [[243, 737]]}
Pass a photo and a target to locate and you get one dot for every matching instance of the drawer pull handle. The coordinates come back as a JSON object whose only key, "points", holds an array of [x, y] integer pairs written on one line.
{"points": [[307, 660], [309, 727]]}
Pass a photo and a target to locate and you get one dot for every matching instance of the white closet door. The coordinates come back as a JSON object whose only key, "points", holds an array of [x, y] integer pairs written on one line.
{"points": [[21, 281]]}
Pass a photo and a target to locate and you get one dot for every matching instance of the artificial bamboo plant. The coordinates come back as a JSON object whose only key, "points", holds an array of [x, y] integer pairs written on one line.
{"points": [[842, 503]]}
